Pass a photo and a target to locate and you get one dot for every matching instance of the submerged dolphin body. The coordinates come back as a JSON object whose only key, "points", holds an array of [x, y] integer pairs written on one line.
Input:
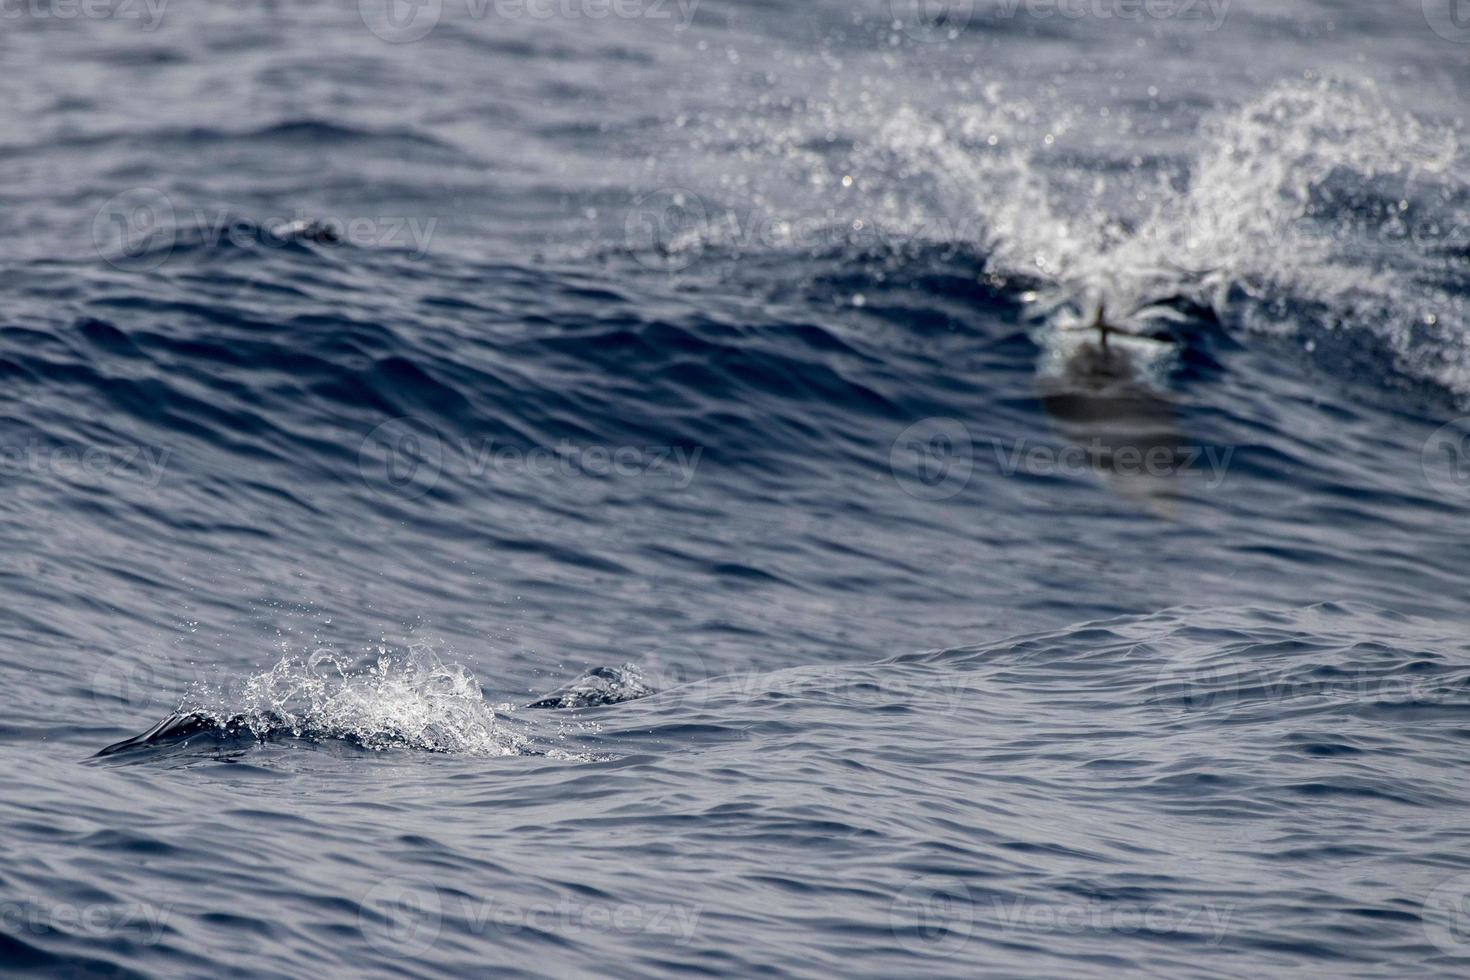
{"points": [[1102, 390]]}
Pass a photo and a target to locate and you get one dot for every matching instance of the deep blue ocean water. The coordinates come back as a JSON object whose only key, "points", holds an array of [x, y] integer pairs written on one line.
{"points": [[582, 489]]}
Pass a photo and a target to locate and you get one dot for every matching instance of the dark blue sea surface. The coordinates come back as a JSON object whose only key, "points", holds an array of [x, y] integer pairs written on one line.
{"points": [[635, 488]]}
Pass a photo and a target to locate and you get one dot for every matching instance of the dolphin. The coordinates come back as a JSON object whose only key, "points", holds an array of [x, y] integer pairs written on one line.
{"points": [[596, 687], [1102, 394], [181, 727]]}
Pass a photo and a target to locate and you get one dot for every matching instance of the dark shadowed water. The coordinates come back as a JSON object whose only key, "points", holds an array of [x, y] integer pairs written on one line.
{"points": [[579, 488]]}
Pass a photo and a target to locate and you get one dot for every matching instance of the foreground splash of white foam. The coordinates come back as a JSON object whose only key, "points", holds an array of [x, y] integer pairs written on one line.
{"points": [[398, 699]]}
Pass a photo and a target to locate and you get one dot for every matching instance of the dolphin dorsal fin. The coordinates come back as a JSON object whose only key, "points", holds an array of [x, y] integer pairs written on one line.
{"points": [[1100, 324]]}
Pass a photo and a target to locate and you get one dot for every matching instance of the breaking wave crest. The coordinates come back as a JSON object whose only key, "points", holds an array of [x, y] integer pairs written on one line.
{"points": [[1316, 208], [1317, 211]]}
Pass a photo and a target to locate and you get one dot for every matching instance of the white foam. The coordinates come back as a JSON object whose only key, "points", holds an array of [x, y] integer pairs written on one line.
{"points": [[1243, 216], [1280, 202], [399, 700]]}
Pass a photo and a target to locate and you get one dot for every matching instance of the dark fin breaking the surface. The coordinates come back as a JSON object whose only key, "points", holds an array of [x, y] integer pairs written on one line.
{"points": [[176, 728], [599, 686]]}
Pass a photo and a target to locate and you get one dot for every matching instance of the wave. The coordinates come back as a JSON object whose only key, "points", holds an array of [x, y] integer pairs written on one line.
{"points": [[308, 132], [1315, 210]]}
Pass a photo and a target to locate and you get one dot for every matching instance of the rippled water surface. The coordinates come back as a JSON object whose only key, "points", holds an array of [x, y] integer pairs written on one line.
{"points": [[560, 489]]}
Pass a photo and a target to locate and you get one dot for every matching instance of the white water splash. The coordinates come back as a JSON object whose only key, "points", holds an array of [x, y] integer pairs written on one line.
{"points": [[1296, 198], [399, 700], [1318, 207]]}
